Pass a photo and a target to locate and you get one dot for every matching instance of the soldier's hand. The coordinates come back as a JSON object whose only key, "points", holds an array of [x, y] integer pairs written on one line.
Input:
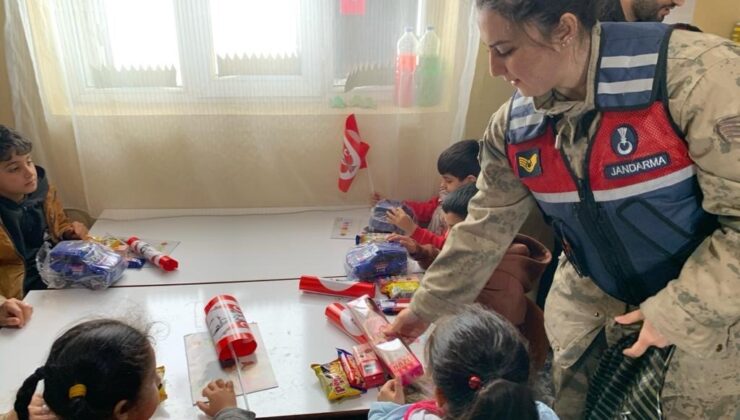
{"points": [[407, 326], [399, 218], [649, 336]]}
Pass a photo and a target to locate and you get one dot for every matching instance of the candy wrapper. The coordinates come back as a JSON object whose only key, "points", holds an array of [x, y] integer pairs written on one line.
{"points": [[341, 317], [379, 221], [375, 260], [162, 392], [394, 306], [371, 369], [334, 381], [400, 287], [368, 237], [334, 287], [399, 359], [79, 263], [351, 370]]}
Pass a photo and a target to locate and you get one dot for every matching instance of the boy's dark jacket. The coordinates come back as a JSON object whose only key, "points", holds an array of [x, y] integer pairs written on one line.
{"points": [[12, 268], [519, 271]]}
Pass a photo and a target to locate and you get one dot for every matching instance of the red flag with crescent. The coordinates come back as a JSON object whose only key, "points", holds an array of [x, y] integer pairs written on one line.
{"points": [[354, 151]]}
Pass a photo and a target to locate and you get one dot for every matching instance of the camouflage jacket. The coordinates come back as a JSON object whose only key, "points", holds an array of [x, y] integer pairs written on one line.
{"points": [[694, 311]]}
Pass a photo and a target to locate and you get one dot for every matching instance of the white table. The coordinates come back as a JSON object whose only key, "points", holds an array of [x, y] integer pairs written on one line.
{"points": [[239, 244], [293, 327]]}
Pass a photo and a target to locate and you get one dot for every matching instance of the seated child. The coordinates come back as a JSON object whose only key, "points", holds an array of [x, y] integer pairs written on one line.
{"points": [[480, 368], [458, 165], [517, 273], [106, 369], [29, 209]]}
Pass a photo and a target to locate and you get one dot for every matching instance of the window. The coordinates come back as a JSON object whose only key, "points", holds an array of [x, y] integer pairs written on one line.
{"points": [[199, 49]]}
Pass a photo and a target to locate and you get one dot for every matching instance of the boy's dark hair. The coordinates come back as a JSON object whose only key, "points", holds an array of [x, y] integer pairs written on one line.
{"points": [[457, 201], [11, 142], [477, 343], [460, 160], [110, 358]]}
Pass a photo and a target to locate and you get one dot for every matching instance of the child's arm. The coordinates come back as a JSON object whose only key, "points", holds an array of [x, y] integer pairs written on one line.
{"points": [[423, 210], [221, 403], [399, 218], [62, 227], [423, 254], [426, 237], [390, 402]]}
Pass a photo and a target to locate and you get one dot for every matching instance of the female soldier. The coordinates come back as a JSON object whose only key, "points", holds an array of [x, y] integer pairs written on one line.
{"points": [[627, 137]]}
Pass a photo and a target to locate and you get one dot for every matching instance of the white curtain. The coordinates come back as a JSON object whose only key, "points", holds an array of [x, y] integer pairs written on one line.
{"points": [[230, 103]]}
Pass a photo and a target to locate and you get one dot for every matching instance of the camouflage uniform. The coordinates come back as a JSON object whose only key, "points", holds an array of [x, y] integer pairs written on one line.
{"points": [[698, 311]]}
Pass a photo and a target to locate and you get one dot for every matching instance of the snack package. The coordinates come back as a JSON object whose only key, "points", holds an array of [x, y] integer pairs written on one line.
{"points": [[394, 306], [79, 263], [375, 260], [162, 392], [120, 247], [334, 381], [351, 370], [378, 220], [370, 367], [335, 287], [400, 287], [367, 237], [399, 359]]}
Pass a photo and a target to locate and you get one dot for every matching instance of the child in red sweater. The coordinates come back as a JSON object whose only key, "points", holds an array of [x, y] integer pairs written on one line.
{"points": [[458, 165]]}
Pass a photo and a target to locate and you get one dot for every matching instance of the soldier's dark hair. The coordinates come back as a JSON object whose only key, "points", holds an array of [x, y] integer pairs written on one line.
{"points": [[543, 14], [110, 358], [460, 160], [480, 343], [11, 142], [457, 201]]}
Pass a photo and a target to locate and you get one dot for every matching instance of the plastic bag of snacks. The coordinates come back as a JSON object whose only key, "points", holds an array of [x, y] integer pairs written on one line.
{"points": [[378, 220], [376, 259], [79, 263]]}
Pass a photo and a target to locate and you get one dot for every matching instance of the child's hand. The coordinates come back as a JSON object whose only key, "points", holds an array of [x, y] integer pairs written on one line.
{"points": [[375, 197], [220, 395], [411, 245], [392, 391], [79, 231], [399, 218], [37, 409], [14, 313]]}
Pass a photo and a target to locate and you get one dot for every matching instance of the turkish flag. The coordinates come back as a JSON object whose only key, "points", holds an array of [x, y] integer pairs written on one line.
{"points": [[354, 151]]}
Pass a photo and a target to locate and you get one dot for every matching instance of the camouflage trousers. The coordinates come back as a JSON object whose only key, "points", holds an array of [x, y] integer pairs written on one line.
{"points": [[579, 319]]}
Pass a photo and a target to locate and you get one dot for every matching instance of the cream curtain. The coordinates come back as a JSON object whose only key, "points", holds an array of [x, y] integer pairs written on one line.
{"points": [[178, 136]]}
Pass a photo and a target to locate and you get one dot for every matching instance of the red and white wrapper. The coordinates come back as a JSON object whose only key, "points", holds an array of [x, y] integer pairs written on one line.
{"points": [[340, 316], [229, 329], [399, 359], [313, 284]]}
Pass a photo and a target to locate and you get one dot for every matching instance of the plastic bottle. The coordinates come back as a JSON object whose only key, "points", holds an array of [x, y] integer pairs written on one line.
{"points": [[428, 75], [405, 67]]}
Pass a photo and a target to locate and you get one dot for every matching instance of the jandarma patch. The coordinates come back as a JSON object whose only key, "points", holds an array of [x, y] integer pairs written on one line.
{"points": [[528, 163], [638, 166]]}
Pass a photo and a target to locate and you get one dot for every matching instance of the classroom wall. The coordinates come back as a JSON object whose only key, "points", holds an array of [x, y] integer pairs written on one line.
{"points": [[6, 112], [717, 16]]}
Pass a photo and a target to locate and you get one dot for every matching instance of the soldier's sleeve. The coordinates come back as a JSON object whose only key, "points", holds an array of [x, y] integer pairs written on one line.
{"points": [[696, 311], [475, 246]]}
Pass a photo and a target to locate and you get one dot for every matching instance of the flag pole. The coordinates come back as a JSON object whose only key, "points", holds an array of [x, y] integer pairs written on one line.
{"points": [[370, 177]]}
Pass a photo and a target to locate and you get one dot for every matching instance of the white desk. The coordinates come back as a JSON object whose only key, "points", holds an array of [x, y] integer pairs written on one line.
{"points": [[230, 245], [293, 327]]}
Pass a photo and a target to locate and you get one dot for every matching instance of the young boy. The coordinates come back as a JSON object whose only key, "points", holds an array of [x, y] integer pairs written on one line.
{"points": [[29, 210], [517, 273], [458, 165]]}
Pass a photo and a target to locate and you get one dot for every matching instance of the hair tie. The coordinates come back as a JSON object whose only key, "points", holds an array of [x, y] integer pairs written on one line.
{"points": [[77, 390], [474, 382]]}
